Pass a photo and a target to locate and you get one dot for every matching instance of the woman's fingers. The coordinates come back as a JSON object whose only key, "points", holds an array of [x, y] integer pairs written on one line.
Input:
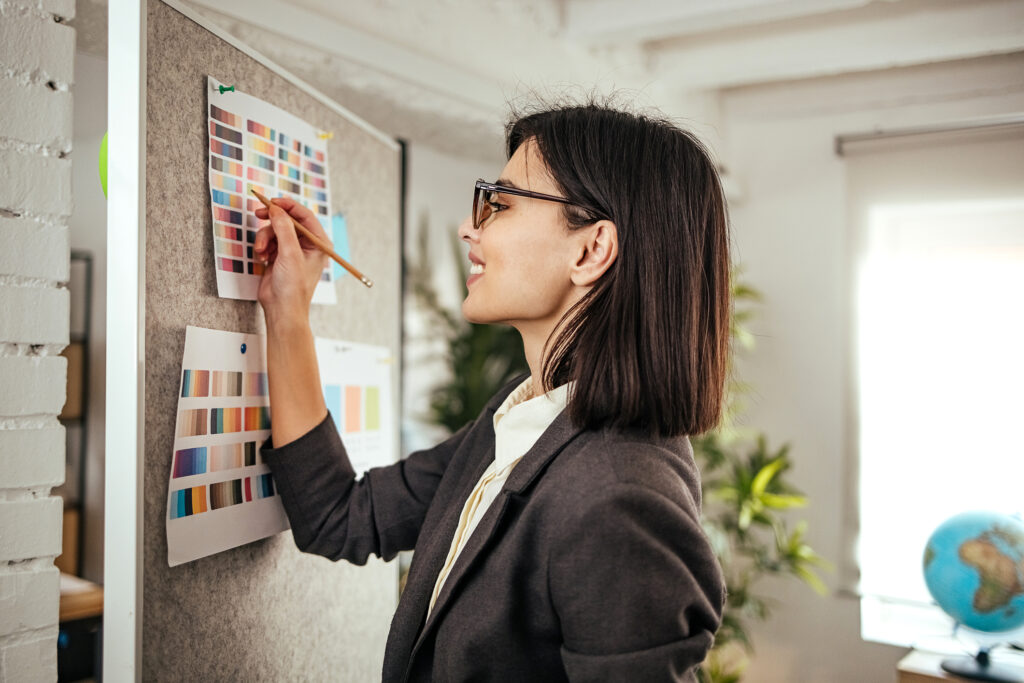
{"points": [[303, 215], [287, 241], [264, 239]]}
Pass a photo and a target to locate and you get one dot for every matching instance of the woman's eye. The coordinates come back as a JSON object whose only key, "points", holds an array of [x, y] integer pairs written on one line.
{"points": [[496, 206]]}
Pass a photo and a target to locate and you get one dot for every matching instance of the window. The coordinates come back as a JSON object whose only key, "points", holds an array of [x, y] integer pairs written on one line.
{"points": [[938, 352]]}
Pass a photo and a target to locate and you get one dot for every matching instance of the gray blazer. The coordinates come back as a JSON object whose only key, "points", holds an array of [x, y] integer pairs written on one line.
{"points": [[591, 564]]}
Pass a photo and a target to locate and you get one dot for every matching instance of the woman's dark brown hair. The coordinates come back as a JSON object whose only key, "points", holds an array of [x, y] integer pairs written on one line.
{"points": [[648, 346]]}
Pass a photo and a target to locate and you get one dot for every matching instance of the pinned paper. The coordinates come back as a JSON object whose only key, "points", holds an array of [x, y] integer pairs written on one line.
{"points": [[356, 382], [254, 144], [220, 493]]}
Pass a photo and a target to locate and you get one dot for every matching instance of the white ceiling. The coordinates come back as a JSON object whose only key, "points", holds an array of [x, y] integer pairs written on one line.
{"points": [[441, 72]]}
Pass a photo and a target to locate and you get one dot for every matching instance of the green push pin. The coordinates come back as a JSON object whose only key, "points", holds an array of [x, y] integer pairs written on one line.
{"points": [[226, 88]]}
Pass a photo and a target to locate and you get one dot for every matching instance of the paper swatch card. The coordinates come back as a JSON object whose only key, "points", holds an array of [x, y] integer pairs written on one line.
{"points": [[254, 144], [356, 381], [220, 493]]}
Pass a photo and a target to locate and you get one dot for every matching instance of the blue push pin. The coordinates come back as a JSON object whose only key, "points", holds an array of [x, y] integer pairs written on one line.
{"points": [[243, 348], [224, 89]]}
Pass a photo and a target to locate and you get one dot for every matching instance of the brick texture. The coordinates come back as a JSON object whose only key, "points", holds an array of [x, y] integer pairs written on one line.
{"points": [[33, 385], [32, 528], [31, 249], [39, 46], [34, 183], [35, 315], [35, 114], [31, 458], [29, 599], [36, 72], [29, 660]]}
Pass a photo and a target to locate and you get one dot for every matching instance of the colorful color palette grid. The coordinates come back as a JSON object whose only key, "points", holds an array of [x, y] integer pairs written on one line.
{"points": [[187, 502], [256, 418], [232, 456], [192, 422], [276, 154], [226, 383], [222, 421], [256, 384], [195, 383], [361, 410], [199, 499], [356, 384], [225, 420], [189, 462]]}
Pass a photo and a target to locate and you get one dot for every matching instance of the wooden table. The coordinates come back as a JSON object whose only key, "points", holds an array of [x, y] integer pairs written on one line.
{"points": [[923, 667], [79, 599]]}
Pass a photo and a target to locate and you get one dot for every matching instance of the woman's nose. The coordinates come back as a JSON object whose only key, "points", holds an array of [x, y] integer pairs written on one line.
{"points": [[466, 230]]}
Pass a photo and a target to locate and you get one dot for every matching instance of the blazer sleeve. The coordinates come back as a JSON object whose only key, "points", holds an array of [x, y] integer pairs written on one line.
{"points": [[636, 586], [335, 515]]}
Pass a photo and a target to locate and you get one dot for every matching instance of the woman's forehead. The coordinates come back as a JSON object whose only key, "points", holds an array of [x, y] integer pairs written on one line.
{"points": [[527, 169]]}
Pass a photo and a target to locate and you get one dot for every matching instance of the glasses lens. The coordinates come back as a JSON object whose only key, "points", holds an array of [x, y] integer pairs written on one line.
{"points": [[481, 207]]}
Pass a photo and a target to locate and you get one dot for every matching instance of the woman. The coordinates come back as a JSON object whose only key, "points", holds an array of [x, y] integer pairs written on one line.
{"points": [[557, 537]]}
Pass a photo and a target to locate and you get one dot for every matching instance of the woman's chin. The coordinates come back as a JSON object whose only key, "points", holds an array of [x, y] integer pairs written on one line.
{"points": [[468, 313]]}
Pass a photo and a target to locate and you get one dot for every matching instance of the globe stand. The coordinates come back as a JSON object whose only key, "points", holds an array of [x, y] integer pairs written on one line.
{"points": [[980, 668]]}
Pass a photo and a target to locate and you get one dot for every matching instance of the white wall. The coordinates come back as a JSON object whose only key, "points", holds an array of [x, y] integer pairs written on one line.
{"points": [[88, 232], [790, 234], [36, 63], [439, 196]]}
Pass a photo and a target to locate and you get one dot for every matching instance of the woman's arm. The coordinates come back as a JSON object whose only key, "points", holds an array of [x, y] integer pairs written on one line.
{"points": [[335, 515], [331, 512], [636, 586], [293, 270]]}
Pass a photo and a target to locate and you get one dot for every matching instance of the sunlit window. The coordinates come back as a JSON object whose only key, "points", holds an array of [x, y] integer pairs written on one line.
{"points": [[940, 370]]}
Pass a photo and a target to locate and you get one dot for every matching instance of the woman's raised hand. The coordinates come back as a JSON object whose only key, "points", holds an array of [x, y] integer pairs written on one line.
{"points": [[294, 264]]}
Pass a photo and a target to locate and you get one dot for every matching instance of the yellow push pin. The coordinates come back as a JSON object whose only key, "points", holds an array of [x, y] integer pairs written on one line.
{"points": [[326, 135]]}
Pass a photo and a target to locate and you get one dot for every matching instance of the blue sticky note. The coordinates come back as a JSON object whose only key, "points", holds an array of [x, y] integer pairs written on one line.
{"points": [[332, 397], [339, 235]]}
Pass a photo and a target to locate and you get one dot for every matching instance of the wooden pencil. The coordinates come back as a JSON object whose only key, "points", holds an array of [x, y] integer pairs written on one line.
{"points": [[319, 243]]}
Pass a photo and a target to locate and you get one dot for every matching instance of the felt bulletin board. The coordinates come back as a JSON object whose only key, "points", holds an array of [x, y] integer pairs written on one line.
{"points": [[262, 611]]}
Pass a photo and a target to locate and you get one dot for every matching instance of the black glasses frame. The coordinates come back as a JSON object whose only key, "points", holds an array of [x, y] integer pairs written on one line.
{"points": [[484, 186]]}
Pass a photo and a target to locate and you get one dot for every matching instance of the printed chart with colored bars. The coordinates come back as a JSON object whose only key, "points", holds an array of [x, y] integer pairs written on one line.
{"points": [[356, 381], [255, 145], [220, 492]]}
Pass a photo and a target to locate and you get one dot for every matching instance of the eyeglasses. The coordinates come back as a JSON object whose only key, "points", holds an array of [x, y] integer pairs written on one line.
{"points": [[482, 199]]}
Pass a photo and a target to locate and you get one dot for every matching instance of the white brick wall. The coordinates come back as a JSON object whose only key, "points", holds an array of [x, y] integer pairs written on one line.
{"points": [[31, 457], [32, 250], [36, 70]]}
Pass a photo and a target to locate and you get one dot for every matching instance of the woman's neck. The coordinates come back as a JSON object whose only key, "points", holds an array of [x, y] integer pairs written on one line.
{"points": [[536, 336]]}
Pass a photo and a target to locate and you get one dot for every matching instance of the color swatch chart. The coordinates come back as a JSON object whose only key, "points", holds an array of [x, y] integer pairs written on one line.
{"points": [[255, 145], [356, 382], [220, 492]]}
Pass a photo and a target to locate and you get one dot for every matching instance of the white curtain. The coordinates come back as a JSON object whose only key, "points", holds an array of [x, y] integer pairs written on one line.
{"points": [[937, 234]]}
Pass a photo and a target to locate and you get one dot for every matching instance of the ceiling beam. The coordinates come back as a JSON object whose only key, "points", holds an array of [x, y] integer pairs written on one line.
{"points": [[920, 32], [601, 21]]}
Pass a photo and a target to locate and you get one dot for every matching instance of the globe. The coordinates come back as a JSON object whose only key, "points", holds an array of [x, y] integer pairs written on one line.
{"points": [[974, 568]]}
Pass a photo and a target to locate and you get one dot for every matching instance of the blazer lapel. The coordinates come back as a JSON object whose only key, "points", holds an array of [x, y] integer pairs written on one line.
{"points": [[427, 562], [551, 442]]}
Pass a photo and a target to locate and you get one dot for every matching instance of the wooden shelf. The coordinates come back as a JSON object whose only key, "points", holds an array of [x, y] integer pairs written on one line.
{"points": [[79, 599]]}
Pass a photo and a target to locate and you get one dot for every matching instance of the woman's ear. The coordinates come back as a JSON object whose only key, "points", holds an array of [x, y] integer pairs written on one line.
{"points": [[598, 249]]}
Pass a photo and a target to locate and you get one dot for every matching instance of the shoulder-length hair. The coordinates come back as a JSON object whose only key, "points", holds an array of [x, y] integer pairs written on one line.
{"points": [[648, 345]]}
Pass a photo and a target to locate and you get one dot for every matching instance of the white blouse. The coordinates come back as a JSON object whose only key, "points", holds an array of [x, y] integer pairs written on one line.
{"points": [[518, 423]]}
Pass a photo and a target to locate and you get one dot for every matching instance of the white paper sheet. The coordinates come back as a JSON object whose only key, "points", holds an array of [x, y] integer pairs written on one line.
{"points": [[220, 492], [254, 144], [356, 381]]}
